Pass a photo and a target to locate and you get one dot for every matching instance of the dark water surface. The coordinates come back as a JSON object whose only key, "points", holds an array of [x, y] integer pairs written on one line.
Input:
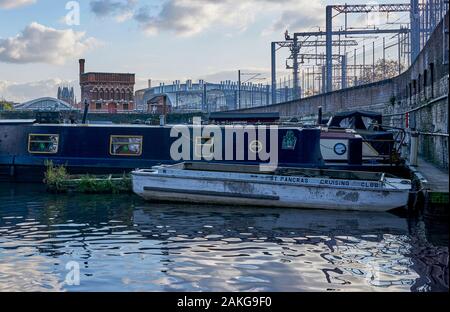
{"points": [[122, 243]]}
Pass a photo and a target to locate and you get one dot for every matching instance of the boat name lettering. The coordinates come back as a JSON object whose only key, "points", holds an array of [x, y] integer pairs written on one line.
{"points": [[335, 182], [302, 180], [292, 179], [370, 184]]}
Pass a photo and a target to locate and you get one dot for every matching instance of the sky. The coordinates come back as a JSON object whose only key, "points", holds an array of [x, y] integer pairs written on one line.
{"points": [[163, 40]]}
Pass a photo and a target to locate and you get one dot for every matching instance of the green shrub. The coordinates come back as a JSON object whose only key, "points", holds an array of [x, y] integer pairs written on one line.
{"points": [[59, 181], [89, 184], [55, 177]]}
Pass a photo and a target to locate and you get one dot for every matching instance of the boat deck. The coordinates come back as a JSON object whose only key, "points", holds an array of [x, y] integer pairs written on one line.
{"points": [[285, 187], [285, 171]]}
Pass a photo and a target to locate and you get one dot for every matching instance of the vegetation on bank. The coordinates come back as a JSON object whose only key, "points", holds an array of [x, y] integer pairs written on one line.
{"points": [[6, 106], [55, 177], [58, 180]]}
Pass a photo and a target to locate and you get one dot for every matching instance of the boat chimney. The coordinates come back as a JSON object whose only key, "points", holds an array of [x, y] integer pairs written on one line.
{"points": [[149, 83], [320, 116], [86, 109]]}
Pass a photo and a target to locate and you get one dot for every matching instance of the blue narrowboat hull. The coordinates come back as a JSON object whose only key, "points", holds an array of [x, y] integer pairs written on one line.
{"points": [[87, 148]]}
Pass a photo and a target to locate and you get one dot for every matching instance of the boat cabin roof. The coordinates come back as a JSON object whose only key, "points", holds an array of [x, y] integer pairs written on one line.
{"points": [[244, 117], [140, 126], [16, 121]]}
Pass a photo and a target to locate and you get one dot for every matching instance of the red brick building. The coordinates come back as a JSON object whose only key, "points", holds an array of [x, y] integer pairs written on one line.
{"points": [[107, 92], [159, 105]]}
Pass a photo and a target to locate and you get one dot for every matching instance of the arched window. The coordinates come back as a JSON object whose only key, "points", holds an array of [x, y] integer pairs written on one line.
{"points": [[419, 84], [102, 94], [123, 95], [95, 94], [107, 95], [129, 95], [117, 97], [432, 79], [425, 78]]}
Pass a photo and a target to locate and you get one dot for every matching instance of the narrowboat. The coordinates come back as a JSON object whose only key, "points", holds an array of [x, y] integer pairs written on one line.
{"points": [[251, 185], [26, 146], [380, 143]]}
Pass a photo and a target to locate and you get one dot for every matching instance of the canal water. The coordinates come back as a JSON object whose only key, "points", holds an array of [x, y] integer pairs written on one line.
{"points": [[121, 243]]}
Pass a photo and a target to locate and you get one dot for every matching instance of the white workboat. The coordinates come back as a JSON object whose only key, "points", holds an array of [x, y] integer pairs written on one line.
{"points": [[231, 184]]}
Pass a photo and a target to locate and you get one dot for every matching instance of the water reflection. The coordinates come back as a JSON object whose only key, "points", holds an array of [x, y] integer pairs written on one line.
{"points": [[125, 244]]}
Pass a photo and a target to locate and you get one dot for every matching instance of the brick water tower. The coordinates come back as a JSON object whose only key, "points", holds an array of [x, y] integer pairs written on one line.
{"points": [[107, 92]]}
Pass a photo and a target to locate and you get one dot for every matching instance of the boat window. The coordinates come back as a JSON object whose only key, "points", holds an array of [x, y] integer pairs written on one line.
{"points": [[345, 123], [368, 122], [357, 122], [43, 143], [204, 146], [126, 145]]}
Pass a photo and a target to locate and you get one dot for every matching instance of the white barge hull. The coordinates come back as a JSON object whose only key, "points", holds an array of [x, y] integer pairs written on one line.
{"points": [[198, 187]]}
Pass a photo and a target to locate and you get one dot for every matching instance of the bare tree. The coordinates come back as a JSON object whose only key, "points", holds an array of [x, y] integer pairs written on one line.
{"points": [[308, 92], [384, 69]]}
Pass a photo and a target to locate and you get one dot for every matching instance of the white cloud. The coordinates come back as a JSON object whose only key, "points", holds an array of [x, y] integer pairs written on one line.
{"points": [[121, 10], [40, 44], [301, 15], [11, 4], [22, 92], [191, 17]]}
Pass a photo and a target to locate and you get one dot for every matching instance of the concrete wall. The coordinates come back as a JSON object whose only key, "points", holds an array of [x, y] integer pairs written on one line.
{"points": [[424, 86]]}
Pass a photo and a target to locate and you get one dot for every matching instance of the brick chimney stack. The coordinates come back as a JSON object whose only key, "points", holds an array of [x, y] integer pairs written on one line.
{"points": [[82, 62]]}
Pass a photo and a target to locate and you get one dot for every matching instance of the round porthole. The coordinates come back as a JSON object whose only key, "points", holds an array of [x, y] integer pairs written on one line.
{"points": [[340, 149], [255, 146]]}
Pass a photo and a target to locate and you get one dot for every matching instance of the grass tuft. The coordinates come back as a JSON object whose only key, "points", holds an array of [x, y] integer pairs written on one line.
{"points": [[59, 181], [55, 177]]}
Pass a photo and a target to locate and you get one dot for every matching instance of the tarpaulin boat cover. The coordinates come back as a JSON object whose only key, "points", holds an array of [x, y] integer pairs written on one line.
{"points": [[355, 119], [381, 140]]}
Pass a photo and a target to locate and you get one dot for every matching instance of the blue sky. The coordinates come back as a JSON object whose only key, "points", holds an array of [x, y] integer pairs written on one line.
{"points": [[156, 39]]}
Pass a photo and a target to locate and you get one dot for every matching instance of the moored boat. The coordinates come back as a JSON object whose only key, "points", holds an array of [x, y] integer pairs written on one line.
{"points": [[26, 147], [285, 187], [380, 143]]}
